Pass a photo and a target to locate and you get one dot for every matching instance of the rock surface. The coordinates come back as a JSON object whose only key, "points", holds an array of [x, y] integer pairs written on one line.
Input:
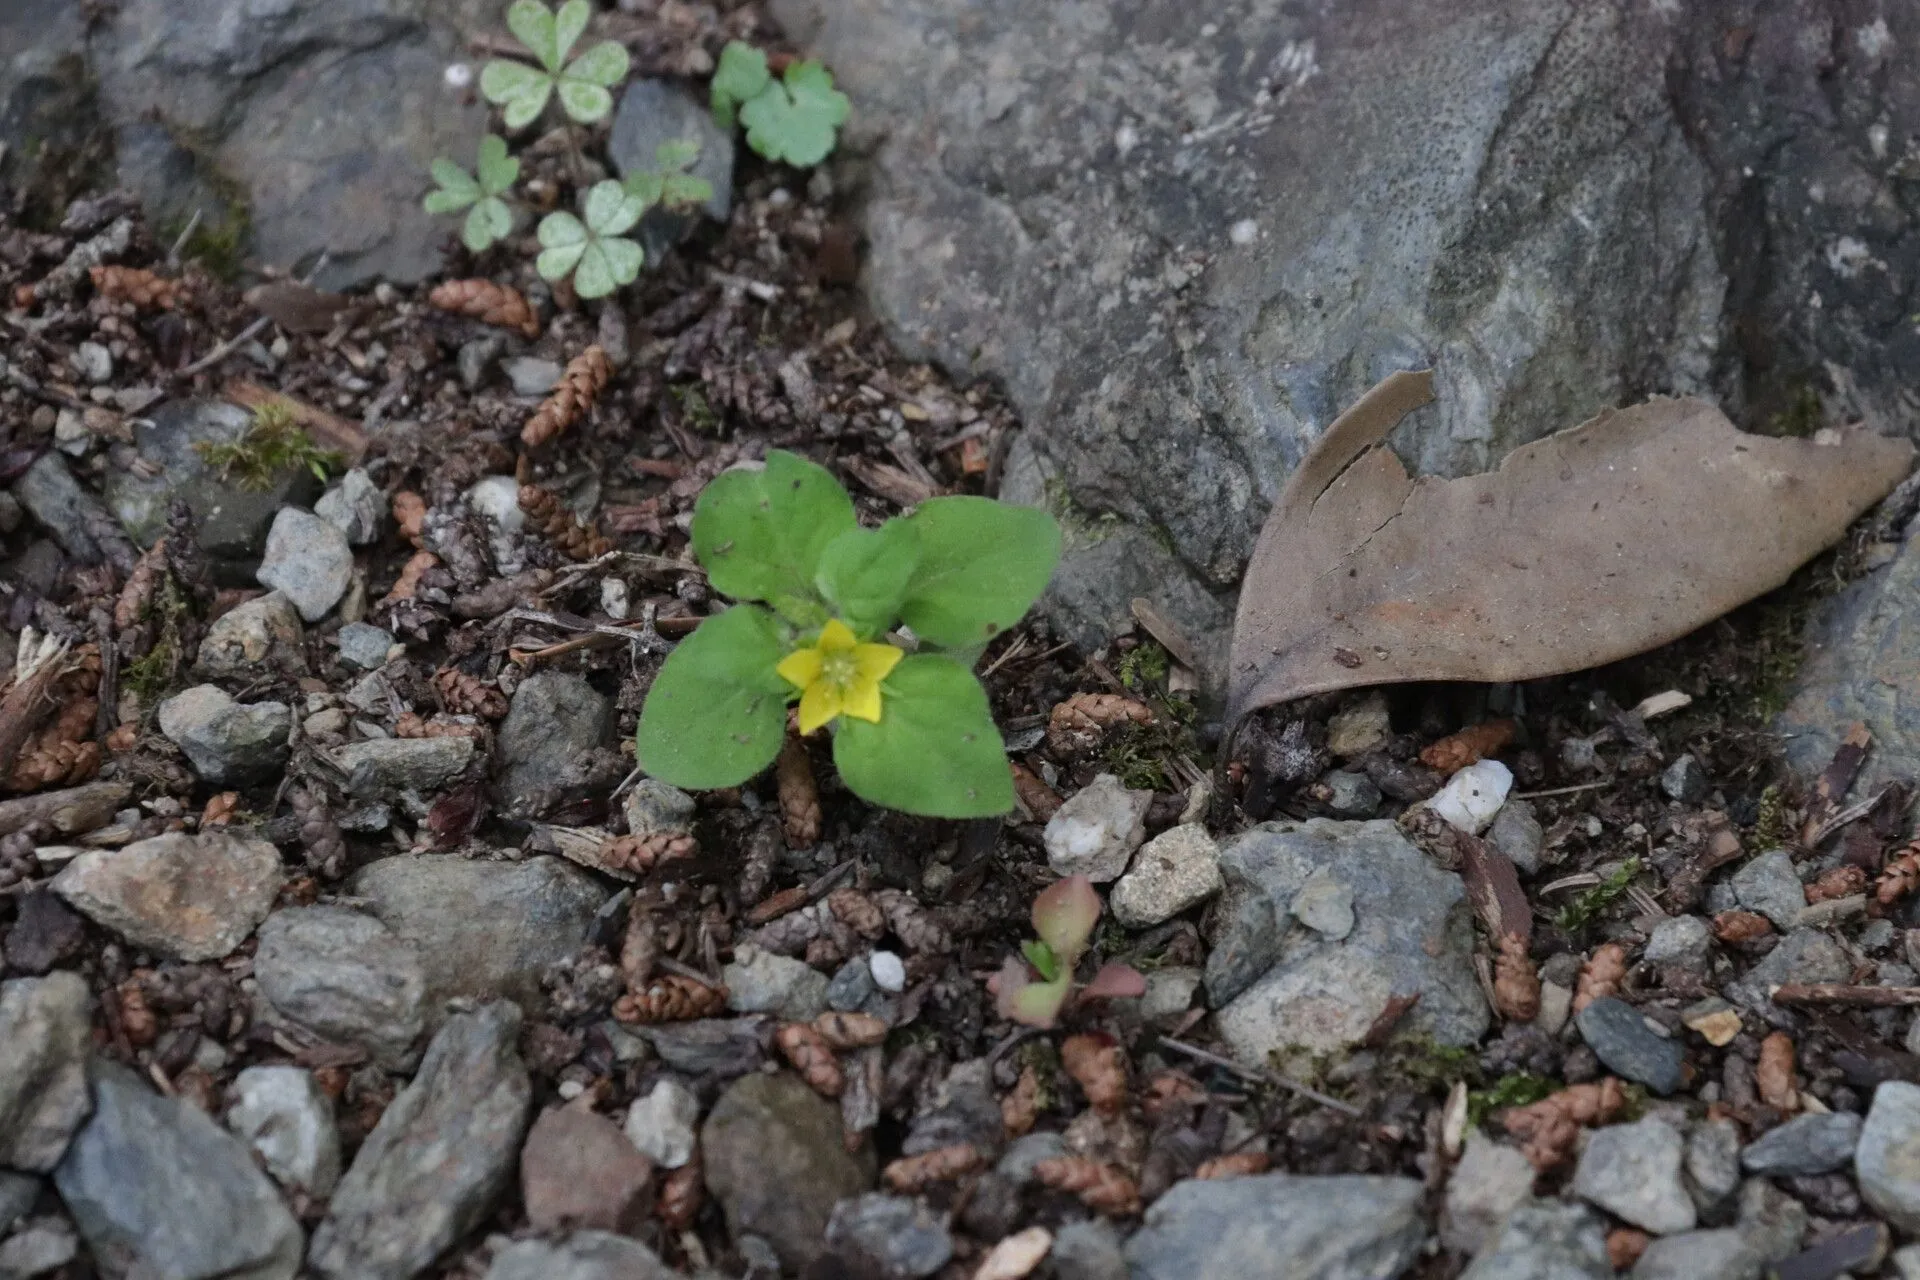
{"points": [[441, 1155], [151, 1181], [1280, 1225], [264, 632], [355, 506], [650, 113], [1281, 986], [893, 1237], [1887, 1161], [346, 978], [381, 767], [1548, 1240], [1804, 1145], [307, 560], [1618, 1033], [1096, 831], [70, 513], [1633, 1172], [228, 743], [582, 1255], [483, 930], [1767, 884], [761, 982], [187, 897], [556, 720], [1488, 1183], [44, 1042], [284, 1115], [662, 1124], [773, 1157], [1175, 870], [1805, 955], [578, 1170]]}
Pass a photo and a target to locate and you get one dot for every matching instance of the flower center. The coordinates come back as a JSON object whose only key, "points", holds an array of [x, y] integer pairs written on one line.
{"points": [[838, 668]]}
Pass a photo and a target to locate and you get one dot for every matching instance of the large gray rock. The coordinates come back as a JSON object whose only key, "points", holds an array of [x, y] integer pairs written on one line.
{"points": [[1185, 258], [228, 743], [282, 1113], [1548, 1240], [44, 1041], [380, 767], [186, 897], [1280, 985], [1277, 1226], [556, 720], [893, 1237], [307, 559], [1633, 1172], [775, 1161], [1814, 1143], [344, 977], [1488, 1183], [230, 521], [71, 514], [483, 930], [440, 1157], [1887, 1161], [582, 1255], [1805, 955], [253, 637], [652, 112], [43, 96], [159, 1189]]}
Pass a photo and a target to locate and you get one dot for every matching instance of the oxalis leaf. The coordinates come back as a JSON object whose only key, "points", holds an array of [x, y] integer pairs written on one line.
{"points": [[760, 532], [583, 84], [796, 118], [593, 248], [489, 217], [741, 76], [717, 712], [935, 750], [1592, 545], [982, 565]]}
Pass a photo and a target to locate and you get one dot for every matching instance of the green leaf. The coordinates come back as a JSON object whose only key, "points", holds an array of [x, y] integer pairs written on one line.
{"points": [[604, 65], [584, 102], [676, 155], [533, 25], [982, 565], [488, 222], [811, 86], [498, 171], [760, 532], [717, 711], [456, 185], [795, 120], [934, 752], [563, 239], [741, 76], [444, 202], [518, 88], [1041, 957], [567, 26], [646, 187], [605, 266], [864, 574], [683, 189], [610, 208]]}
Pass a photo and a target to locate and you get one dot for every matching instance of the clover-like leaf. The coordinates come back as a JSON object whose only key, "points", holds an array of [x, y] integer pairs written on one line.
{"points": [[741, 76], [760, 533], [681, 190], [520, 90], [583, 85], [606, 265], [982, 565], [934, 751], [676, 155], [497, 170], [489, 217], [488, 221], [534, 25], [457, 188], [717, 712], [796, 119], [586, 82], [563, 239], [594, 250]]}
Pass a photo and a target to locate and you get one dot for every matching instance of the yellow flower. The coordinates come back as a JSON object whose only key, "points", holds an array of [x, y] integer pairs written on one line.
{"points": [[838, 676]]}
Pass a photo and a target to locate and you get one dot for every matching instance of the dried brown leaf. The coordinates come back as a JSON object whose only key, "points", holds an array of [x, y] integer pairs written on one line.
{"points": [[1021, 1107], [1901, 877], [799, 798], [487, 302], [1516, 983], [1588, 546], [1741, 926], [858, 912], [1550, 1128], [1456, 751], [1838, 882], [1078, 723]]}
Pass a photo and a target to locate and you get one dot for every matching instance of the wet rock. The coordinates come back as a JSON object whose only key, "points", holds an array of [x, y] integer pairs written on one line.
{"points": [[346, 978], [45, 932], [1713, 1165], [186, 897], [1488, 1183], [355, 507], [1808, 1144], [965, 1108], [582, 1255], [483, 930], [557, 718], [1683, 942], [308, 560], [774, 1160], [440, 1157], [1805, 955], [1617, 1032], [153, 1183], [1548, 1240], [1411, 933], [722, 1047], [1516, 832], [762, 982], [1768, 885], [1177, 869], [1087, 1250], [1277, 1225], [364, 646], [228, 743], [1685, 781], [39, 1249], [1887, 1161], [381, 767], [1633, 1172], [889, 1237], [68, 512], [662, 1124], [1096, 831], [653, 112], [263, 632], [284, 1115], [44, 1042], [578, 1170], [230, 521], [1351, 795]]}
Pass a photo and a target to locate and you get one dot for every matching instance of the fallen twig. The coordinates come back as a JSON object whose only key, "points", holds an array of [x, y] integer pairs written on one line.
{"points": [[1260, 1074], [1841, 993]]}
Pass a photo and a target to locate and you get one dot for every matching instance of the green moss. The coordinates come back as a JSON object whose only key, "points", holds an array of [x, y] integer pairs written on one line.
{"points": [[1802, 416], [1772, 826], [1079, 528], [218, 244], [1515, 1089], [1144, 667], [694, 408], [271, 446], [153, 675], [1586, 907]]}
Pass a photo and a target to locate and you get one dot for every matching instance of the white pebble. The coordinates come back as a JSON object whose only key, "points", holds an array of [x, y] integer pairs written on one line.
{"points": [[889, 974], [1473, 796], [1245, 231], [569, 1090], [458, 75]]}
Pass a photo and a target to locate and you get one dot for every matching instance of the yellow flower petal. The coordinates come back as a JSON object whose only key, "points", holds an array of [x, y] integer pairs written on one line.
{"points": [[837, 636], [862, 700], [800, 668], [874, 661], [819, 704]]}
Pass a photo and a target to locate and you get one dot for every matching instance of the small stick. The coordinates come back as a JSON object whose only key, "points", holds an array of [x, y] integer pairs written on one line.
{"points": [[1816, 993], [180, 241], [1269, 1077], [1561, 791]]}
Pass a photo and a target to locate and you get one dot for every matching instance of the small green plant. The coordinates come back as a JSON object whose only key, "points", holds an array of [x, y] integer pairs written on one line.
{"points": [[1033, 987], [488, 218], [584, 85], [272, 445], [670, 184], [595, 249], [1515, 1089], [794, 119], [1586, 907], [912, 731]]}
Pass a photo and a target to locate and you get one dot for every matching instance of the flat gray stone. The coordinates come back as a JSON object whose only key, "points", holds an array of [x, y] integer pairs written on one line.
{"points": [[1489, 1182], [37, 1249], [1177, 869], [1768, 884], [483, 930], [1087, 1250], [1886, 1164], [894, 1237], [383, 766], [45, 1037], [1725, 1253], [1278, 1225], [1516, 832], [441, 1156], [254, 636], [1808, 1144], [283, 1114], [1713, 1165], [186, 897], [153, 1182], [762, 982], [1633, 1172], [364, 646], [1096, 831], [1546, 1240], [580, 1255], [1283, 987], [1804, 955], [556, 719], [228, 743], [307, 560], [346, 978], [652, 112], [355, 506], [1685, 942], [1619, 1034], [18, 1191], [69, 513]]}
